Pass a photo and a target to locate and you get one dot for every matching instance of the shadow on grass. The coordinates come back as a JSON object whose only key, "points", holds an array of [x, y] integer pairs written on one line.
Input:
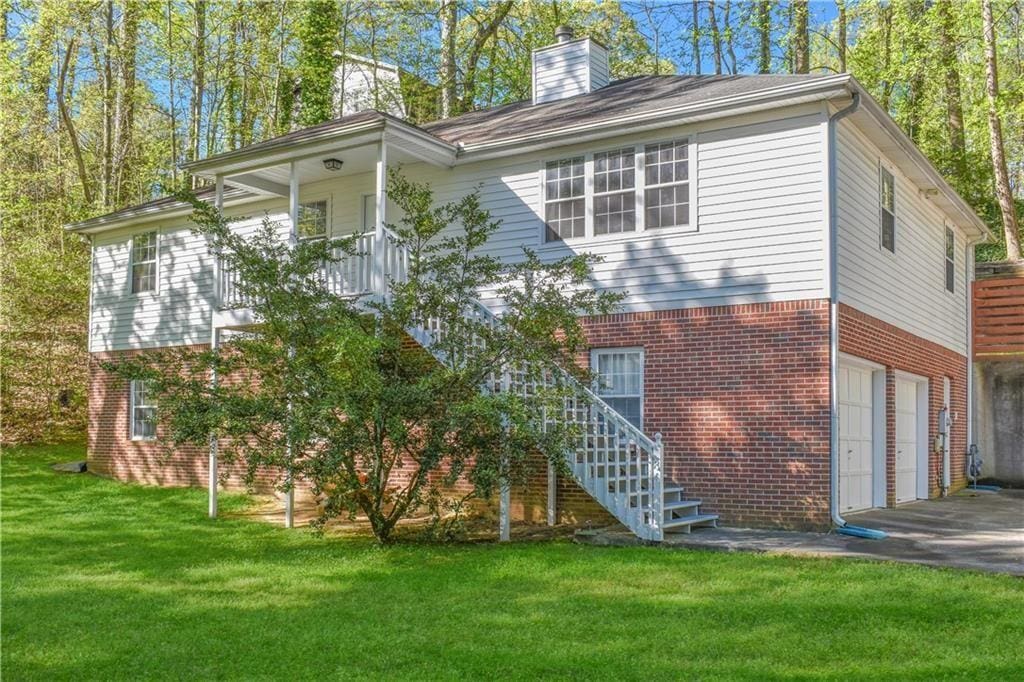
{"points": [[103, 580]]}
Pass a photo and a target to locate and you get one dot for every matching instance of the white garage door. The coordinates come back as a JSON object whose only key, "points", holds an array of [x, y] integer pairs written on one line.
{"points": [[906, 440], [855, 443]]}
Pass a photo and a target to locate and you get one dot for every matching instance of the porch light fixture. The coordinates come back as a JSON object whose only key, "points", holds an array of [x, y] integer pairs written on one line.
{"points": [[333, 164]]}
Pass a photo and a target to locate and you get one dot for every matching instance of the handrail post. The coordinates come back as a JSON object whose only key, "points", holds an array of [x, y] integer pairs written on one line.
{"points": [[656, 487]]}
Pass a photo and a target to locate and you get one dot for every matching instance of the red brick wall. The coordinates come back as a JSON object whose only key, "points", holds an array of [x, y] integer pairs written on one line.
{"points": [[867, 337], [740, 395], [112, 452]]}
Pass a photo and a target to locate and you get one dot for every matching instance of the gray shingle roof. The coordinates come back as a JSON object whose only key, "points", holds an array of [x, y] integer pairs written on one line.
{"points": [[620, 98]]}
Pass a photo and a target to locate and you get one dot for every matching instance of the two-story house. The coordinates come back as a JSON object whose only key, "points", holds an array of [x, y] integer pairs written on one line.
{"points": [[794, 342]]}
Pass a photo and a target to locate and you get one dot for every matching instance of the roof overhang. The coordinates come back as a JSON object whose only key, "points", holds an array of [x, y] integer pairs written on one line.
{"points": [[331, 139], [149, 213], [876, 124]]}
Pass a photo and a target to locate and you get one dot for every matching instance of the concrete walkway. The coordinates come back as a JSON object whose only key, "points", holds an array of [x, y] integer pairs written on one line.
{"points": [[975, 530]]}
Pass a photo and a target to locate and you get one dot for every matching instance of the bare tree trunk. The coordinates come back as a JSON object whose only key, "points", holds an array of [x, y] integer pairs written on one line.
{"points": [[449, 23], [728, 37], [885, 16], [801, 41], [1004, 192], [716, 38], [484, 32], [108, 114], [69, 124], [764, 32], [841, 37], [198, 83], [170, 98], [695, 37], [125, 107]]}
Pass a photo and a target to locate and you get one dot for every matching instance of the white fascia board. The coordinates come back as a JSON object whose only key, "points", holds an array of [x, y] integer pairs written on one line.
{"points": [[954, 203], [150, 214]]}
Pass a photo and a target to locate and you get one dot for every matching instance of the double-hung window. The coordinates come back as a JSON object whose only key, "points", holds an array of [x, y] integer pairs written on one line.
{"points": [[141, 411], [564, 203], [144, 260], [950, 261], [620, 380], [887, 201], [615, 191], [666, 184], [312, 222]]}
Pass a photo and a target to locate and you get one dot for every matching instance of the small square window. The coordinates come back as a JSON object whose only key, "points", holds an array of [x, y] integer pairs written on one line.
{"points": [[887, 199], [312, 223], [950, 260]]}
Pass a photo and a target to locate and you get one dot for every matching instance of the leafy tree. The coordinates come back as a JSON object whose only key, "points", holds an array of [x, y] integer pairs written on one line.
{"points": [[330, 390], [317, 41]]}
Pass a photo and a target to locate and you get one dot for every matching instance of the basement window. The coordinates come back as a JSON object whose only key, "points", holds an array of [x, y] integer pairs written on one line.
{"points": [[950, 261], [141, 411], [887, 200], [620, 380], [144, 260]]}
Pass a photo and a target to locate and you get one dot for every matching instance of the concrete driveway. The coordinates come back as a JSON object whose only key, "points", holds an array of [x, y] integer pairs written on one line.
{"points": [[976, 530]]}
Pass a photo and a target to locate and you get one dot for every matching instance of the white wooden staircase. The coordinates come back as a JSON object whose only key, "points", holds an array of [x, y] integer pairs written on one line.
{"points": [[615, 462]]}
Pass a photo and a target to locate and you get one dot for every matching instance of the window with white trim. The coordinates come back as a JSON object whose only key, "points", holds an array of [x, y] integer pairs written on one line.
{"points": [[615, 191], [141, 411], [667, 184], [619, 374], [564, 204], [950, 260], [312, 220], [887, 202], [369, 212], [144, 260]]}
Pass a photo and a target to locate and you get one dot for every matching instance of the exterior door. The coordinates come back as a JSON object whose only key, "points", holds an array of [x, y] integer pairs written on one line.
{"points": [[856, 447], [906, 440]]}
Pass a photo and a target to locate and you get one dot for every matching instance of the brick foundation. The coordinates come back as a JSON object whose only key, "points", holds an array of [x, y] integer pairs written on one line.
{"points": [[871, 339], [740, 395]]}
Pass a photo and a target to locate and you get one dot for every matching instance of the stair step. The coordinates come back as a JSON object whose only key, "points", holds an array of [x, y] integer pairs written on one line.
{"points": [[683, 525], [681, 504]]}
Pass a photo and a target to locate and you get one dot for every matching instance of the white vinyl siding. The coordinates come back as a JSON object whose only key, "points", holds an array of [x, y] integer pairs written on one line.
{"points": [[905, 288], [142, 411], [619, 375], [760, 209], [145, 262]]}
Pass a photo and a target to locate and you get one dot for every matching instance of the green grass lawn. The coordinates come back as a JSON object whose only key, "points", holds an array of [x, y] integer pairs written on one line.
{"points": [[103, 580]]}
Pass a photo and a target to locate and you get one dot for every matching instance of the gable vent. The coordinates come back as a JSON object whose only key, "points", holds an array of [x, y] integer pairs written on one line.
{"points": [[569, 67]]}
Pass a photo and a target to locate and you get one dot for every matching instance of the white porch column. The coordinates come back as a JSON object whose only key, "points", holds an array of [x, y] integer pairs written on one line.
{"points": [[293, 200], [379, 281], [552, 494], [293, 214], [505, 499], [218, 202]]}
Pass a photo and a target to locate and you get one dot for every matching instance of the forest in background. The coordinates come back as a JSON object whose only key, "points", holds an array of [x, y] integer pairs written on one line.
{"points": [[102, 100]]}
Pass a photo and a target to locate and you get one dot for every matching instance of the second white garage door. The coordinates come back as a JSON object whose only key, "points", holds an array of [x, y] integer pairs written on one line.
{"points": [[856, 446], [906, 440]]}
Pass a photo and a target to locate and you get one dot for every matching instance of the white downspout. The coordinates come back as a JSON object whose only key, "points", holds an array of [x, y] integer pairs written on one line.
{"points": [[833, 310], [218, 203]]}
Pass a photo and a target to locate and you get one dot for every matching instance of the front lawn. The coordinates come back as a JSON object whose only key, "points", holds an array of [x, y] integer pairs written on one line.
{"points": [[102, 580]]}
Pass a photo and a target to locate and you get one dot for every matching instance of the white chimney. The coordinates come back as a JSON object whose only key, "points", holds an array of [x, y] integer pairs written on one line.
{"points": [[569, 67]]}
